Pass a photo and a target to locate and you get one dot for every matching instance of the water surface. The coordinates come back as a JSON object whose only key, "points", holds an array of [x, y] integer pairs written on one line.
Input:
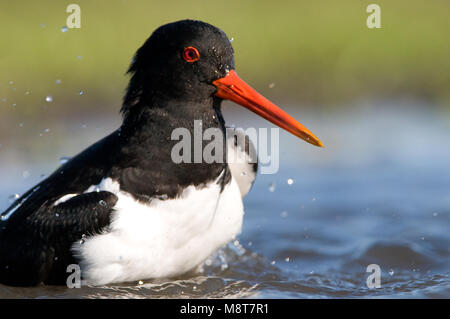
{"points": [[379, 193]]}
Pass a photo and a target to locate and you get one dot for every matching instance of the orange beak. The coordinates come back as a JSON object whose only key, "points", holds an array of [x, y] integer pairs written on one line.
{"points": [[232, 87]]}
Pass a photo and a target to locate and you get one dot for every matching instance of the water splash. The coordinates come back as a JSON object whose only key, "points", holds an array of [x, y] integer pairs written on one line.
{"points": [[63, 160], [272, 187], [13, 197]]}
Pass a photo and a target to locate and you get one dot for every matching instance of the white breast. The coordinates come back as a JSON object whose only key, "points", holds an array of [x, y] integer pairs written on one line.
{"points": [[163, 239]]}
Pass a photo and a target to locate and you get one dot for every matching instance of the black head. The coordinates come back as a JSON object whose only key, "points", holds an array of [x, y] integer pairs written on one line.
{"points": [[179, 61], [188, 65]]}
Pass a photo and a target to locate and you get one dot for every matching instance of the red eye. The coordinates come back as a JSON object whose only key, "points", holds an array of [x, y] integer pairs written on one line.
{"points": [[190, 54]]}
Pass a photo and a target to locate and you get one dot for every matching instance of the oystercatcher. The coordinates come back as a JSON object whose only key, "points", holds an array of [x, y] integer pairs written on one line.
{"points": [[123, 209]]}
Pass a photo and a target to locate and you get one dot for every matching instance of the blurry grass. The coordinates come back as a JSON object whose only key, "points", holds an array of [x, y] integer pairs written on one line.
{"points": [[314, 51]]}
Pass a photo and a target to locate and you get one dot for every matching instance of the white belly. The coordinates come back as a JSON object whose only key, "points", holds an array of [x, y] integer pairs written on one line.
{"points": [[164, 239]]}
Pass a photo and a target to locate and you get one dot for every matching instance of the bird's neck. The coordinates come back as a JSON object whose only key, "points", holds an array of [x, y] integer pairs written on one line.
{"points": [[160, 118], [149, 136]]}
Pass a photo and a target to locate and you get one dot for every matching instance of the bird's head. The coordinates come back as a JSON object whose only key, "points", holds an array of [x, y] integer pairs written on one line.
{"points": [[192, 61]]}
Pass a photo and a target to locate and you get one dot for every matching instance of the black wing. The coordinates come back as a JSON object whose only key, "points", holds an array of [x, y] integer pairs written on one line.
{"points": [[38, 250], [84, 170], [36, 235]]}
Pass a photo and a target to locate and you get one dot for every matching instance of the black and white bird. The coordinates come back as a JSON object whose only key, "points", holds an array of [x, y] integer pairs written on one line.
{"points": [[123, 209]]}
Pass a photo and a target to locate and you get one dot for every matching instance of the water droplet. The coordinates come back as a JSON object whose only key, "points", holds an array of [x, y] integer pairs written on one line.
{"points": [[49, 98], [56, 215], [273, 262], [13, 197], [272, 187], [56, 258], [231, 40], [47, 130], [79, 57], [81, 92], [140, 282], [103, 203], [391, 272], [249, 244], [271, 85], [64, 160], [194, 288], [83, 239], [435, 214], [58, 81], [287, 259], [64, 29], [223, 266], [14, 104], [27, 92], [290, 181]]}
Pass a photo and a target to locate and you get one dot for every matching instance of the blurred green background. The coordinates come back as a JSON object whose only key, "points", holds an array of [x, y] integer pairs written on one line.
{"points": [[307, 52]]}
